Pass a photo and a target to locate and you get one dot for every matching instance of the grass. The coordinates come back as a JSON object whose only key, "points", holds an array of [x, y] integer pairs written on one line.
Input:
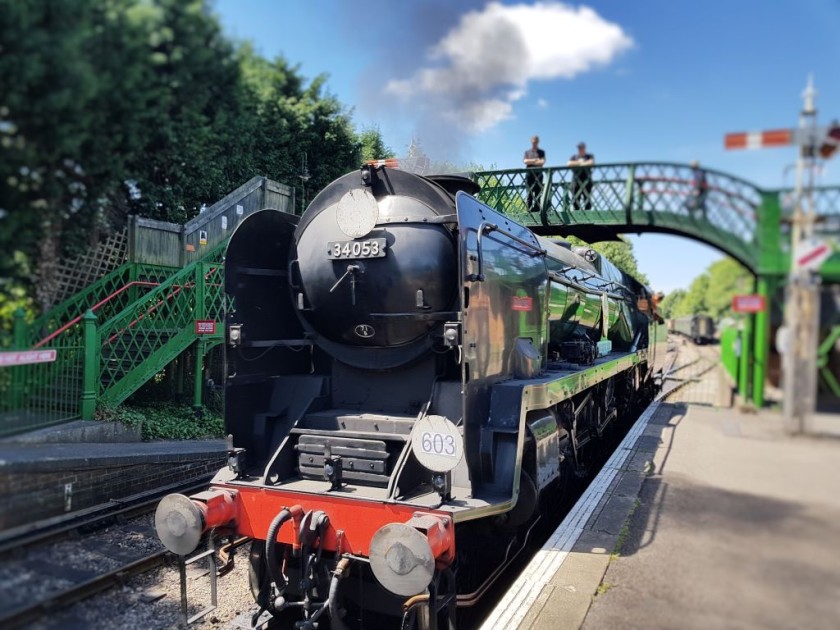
{"points": [[625, 530], [603, 587]]}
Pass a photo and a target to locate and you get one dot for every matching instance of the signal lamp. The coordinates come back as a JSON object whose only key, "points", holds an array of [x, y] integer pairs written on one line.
{"points": [[333, 471], [442, 483], [234, 335], [236, 461]]}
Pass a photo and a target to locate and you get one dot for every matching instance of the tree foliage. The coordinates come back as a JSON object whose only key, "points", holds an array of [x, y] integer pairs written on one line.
{"points": [[373, 146], [118, 107], [666, 306], [711, 292]]}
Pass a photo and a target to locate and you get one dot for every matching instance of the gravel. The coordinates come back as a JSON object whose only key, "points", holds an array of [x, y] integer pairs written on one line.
{"points": [[150, 601]]}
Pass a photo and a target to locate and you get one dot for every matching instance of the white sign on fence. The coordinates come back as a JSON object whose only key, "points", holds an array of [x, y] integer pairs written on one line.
{"points": [[25, 357]]}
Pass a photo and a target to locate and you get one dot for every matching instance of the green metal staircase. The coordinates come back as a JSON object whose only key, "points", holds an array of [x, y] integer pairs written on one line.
{"points": [[135, 321], [138, 342], [116, 334]]}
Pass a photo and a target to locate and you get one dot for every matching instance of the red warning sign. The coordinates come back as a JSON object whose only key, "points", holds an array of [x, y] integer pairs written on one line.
{"points": [[205, 327], [752, 303], [27, 357], [519, 303]]}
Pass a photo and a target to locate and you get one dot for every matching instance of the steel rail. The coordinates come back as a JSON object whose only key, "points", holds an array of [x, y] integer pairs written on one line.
{"points": [[139, 504], [680, 384], [79, 592], [52, 531]]}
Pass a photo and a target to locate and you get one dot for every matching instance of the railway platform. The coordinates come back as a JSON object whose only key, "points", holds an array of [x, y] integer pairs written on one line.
{"points": [[706, 518], [45, 481]]}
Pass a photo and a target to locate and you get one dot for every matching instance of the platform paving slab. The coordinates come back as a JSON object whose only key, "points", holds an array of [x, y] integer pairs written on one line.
{"points": [[737, 526], [555, 589]]}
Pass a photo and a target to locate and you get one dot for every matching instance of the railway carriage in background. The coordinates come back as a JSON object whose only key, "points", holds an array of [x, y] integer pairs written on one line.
{"points": [[412, 378], [699, 328]]}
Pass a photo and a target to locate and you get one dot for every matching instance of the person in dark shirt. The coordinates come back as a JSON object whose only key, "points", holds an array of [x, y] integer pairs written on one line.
{"points": [[534, 159], [699, 190], [581, 177]]}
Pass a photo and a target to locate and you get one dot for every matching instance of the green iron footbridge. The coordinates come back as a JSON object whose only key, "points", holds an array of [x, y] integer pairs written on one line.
{"points": [[114, 335]]}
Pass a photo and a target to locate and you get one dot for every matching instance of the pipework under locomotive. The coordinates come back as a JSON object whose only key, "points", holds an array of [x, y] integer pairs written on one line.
{"points": [[410, 373]]}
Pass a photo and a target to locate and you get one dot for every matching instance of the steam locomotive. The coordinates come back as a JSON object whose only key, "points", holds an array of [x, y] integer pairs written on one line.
{"points": [[411, 376]]}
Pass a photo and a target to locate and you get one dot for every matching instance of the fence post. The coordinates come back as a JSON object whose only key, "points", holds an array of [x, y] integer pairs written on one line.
{"points": [[19, 330], [182, 247], [200, 349], [745, 369], [19, 372], [132, 238], [91, 366], [761, 347], [201, 271]]}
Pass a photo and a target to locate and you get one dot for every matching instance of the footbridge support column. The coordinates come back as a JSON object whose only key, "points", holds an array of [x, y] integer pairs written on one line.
{"points": [[766, 287], [745, 372], [770, 274]]}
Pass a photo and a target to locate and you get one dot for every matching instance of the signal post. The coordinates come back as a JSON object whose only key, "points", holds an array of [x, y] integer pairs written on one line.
{"points": [[802, 295], [799, 337]]}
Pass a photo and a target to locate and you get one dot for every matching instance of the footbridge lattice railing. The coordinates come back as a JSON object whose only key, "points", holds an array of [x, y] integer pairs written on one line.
{"points": [[631, 198]]}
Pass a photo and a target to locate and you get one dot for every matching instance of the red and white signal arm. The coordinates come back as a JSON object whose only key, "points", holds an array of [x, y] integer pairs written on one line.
{"points": [[760, 139], [812, 253], [751, 303], [825, 139]]}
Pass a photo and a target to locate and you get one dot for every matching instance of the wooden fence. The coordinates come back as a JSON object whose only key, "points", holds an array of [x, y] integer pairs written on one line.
{"points": [[172, 245]]}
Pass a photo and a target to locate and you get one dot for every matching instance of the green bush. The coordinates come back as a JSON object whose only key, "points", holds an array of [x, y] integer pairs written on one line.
{"points": [[165, 421]]}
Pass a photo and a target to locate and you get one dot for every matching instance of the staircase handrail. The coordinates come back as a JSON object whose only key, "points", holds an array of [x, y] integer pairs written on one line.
{"points": [[173, 305], [154, 294], [75, 306], [78, 303], [94, 308]]}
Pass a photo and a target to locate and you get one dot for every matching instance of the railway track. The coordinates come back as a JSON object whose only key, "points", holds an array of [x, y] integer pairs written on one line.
{"points": [[55, 565], [691, 366]]}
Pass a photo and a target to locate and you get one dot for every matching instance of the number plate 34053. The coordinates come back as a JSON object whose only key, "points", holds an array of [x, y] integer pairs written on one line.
{"points": [[370, 248]]}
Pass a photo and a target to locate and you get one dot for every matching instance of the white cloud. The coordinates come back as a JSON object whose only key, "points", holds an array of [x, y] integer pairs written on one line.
{"points": [[478, 70], [542, 103], [481, 115]]}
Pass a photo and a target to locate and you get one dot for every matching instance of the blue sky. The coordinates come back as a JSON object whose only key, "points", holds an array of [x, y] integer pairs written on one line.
{"points": [[649, 80]]}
